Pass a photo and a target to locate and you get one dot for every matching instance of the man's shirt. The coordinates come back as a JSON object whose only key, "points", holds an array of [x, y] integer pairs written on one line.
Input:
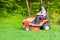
{"points": [[43, 12]]}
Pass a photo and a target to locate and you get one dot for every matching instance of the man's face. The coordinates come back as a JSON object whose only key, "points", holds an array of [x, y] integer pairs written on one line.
{"points": [[42, 7]]}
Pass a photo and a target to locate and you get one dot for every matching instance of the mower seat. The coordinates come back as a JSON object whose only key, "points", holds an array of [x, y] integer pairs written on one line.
{"points": [[44, 18]]}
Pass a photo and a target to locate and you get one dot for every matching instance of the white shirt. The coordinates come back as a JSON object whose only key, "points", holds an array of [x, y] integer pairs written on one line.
{"points": [[43, 12]]}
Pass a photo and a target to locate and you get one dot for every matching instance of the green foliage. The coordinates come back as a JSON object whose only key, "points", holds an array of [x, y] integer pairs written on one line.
{"points": [[35, 7], [3, 12], [12, 7], [19, 6]]}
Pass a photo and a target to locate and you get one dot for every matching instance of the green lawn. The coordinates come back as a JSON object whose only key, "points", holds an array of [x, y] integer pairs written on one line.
{"points": [[11, 30]]}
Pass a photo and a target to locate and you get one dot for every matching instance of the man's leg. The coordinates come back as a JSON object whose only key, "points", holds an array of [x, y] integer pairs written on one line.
{"points": [[41, 17], [37, 19]]}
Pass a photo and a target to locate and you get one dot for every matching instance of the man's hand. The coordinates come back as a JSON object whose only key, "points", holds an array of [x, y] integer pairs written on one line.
{"points": [[41, 14], [38, 13]]}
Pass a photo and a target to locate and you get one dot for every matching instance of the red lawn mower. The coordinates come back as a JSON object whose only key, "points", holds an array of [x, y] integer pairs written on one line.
{"points": [[28, 25]]}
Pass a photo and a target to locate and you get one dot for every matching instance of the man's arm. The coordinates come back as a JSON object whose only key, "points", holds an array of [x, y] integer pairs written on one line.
{"points": [[38, 13]]}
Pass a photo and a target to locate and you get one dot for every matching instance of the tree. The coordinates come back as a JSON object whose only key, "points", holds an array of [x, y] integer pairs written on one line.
{"points": [[47, 3], [41, 2], [28, 7]]}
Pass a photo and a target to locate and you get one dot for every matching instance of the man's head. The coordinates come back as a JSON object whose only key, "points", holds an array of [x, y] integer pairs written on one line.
{"points": [[42, 7]]}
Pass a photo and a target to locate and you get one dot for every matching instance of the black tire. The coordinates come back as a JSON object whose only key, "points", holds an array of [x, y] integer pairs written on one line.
{"points": [[26, 28], [46, 26]]}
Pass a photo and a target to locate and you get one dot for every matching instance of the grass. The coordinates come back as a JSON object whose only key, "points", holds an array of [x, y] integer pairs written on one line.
{"points": [[10, 29]]}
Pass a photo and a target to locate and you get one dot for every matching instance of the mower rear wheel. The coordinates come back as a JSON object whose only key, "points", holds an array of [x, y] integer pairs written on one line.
{"points": [[26, 28], [46, 26]]}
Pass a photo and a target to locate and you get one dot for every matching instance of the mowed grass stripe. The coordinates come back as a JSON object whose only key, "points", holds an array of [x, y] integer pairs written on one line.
{"points": [[14, 32]]}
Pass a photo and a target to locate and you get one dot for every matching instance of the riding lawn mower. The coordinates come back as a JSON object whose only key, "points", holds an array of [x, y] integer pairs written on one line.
{"points": [[29, 25]]}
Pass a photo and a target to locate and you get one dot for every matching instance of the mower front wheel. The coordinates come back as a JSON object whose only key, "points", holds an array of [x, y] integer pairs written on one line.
{"points": [[26, 28]]}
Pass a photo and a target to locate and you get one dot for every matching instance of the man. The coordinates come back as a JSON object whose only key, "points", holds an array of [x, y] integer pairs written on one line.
{"points": [[40, 15]]}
